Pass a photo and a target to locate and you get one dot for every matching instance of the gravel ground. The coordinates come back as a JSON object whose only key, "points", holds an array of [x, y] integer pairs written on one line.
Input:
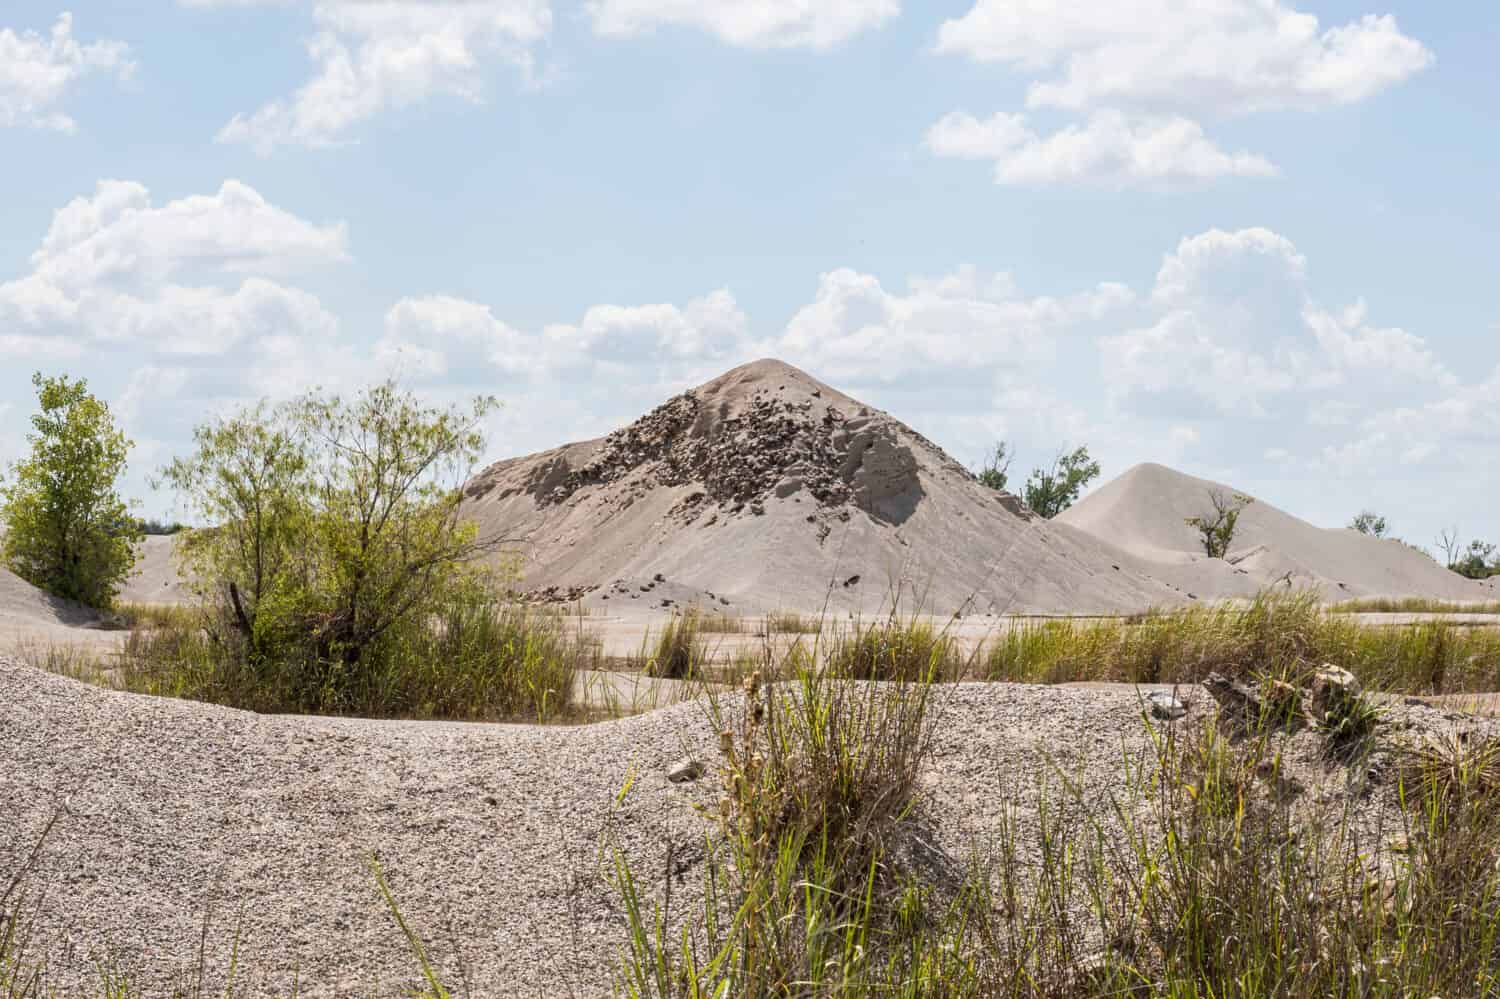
{"points": [[491, 836]]}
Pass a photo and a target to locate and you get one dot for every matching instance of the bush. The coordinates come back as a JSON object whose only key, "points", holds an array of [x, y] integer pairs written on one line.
{"points": [[472, 658], [67, 530], [1216, 529], [336, 533], [1048, 492]]}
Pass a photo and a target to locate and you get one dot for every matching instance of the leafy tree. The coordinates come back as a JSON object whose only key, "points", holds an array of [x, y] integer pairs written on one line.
{"points": [[1216, 529], [151, 527], [67, 529], [1478, 561], [994, 472], [336, 524], [1368, 522], [1050, 492]]}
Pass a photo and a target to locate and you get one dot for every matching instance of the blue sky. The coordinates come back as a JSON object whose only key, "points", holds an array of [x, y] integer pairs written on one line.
{"points": [[1252, 239]]}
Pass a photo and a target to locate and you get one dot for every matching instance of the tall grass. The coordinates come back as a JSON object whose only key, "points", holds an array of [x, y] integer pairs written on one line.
{"points": [[892, 649], [1282, 635], [475, 659], [1199, 877], [786, 622], [1413, 605], [679, 652]]}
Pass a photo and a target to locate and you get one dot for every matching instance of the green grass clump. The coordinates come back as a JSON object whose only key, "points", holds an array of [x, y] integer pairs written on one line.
{"points": [[1284, 635], [792, 623], [1413, 605], [893, 649], [819, 792], [134, 615], [679, 652], [476, 658]]}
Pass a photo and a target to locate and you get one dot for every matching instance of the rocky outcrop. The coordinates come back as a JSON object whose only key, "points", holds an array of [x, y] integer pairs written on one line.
{"points": [[772, 447]]}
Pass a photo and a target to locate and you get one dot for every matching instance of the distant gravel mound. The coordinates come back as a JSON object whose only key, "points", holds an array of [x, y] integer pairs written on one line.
{"points": [[155, 579], [765, 488], [1143, 512], [21, 603]]}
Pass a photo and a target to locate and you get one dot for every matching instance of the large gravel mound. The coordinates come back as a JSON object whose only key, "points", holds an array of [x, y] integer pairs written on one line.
{"points": [[1143, 512], [765, 488]]}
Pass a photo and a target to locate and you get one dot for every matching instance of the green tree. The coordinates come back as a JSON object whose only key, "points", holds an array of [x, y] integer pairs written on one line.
{"points": [[67, 529], [1368, 522], [994, 472], [1051, 491], [336, 522], [1216, 529], [1478, 561]]}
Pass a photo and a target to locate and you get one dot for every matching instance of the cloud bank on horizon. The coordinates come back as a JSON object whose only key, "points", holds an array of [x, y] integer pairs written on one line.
{"points": [[1221, 348]]}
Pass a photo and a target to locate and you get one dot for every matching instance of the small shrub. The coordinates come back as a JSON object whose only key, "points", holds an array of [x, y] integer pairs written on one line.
{"points": [[894, 649], [1216, 529], [679, 653]]}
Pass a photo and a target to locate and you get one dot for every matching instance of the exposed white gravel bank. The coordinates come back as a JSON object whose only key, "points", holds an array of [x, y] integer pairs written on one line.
{"points": [[490, 835]]}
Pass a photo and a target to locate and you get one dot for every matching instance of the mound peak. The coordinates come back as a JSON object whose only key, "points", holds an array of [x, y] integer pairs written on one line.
{"points": [[1143, 512], [768, 485]]}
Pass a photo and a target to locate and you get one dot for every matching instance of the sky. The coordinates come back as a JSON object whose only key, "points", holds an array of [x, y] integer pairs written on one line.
{"points": [[1250, 239]]}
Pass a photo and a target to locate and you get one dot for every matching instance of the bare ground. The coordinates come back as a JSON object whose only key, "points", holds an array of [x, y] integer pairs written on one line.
{"points": [[493, 837]]}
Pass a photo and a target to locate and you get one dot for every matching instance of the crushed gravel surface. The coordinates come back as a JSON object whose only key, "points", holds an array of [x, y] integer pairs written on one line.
{"points": [[491, 836]]}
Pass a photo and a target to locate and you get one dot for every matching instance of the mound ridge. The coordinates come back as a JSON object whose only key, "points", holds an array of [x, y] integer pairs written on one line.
{"points": [[1143, 514], [765, 488]]}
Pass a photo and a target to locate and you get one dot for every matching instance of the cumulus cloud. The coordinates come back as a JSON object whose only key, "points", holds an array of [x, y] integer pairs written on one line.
{"points": [[1237, 332], [109, 266], [1110, 149], [963, 323], [771, 24], [375, 57], [439, 337], [37, 71], [705, 328], [1211, 55]]}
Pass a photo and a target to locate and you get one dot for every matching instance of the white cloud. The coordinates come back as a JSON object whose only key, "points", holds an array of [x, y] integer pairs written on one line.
{"points": [[1109, 150], [119, 236], [106, 272], [37, 71], [855, 329], [708, 327], [1221, 265], [1216, 55], [438, 337], [768, 24], [375, 57], [1238, 333]]}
